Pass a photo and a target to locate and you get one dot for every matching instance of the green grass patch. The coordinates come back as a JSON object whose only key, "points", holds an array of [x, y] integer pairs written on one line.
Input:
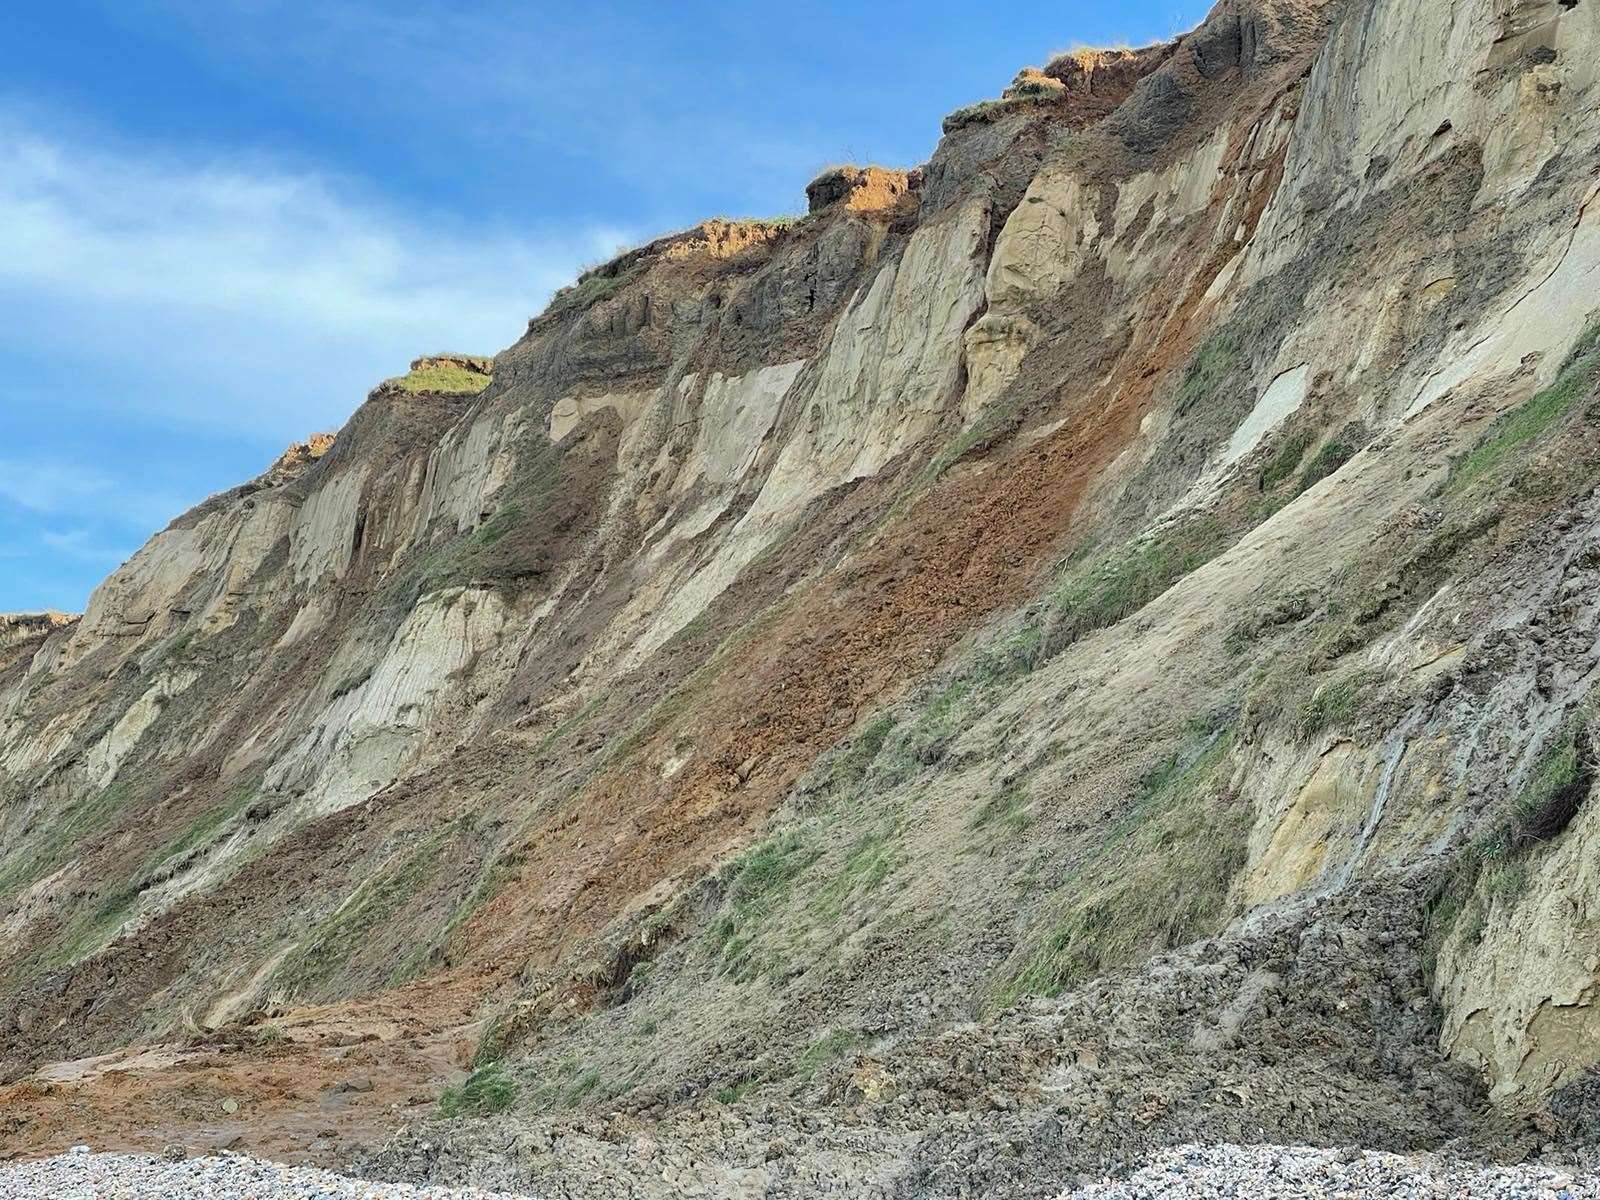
{"points": [[581, 1088], [871, 860], [992, 110], [1159, 879], [344, 933], [350, 682], [444, 378], [589, 291], [1287, 459], [488, 1090], [1493, 870], [173, 648], [495, 552], [1333, 455], [1007, 809], [92, 931], [1521, 426], [736, 1093], [1216, 361], [758, 882], [1099, 593], [55, 836], [822, 1052], [1335, 703], [202, 832]]}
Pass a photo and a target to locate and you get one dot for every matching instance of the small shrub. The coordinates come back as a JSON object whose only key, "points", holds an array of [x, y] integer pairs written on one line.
{"points": [[1555, 791], [1333, 455], [487, 1091], [350, 683], [1284, 463], [1493, 870]]}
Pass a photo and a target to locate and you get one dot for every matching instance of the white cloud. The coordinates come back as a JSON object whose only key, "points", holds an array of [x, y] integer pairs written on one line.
{"points": [[241, 294], [46, 487], [51, 488]]}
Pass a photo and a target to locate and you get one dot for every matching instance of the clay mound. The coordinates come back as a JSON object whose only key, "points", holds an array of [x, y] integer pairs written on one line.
{"points": [[861, 189], [1110, 75], [1080, 87]]}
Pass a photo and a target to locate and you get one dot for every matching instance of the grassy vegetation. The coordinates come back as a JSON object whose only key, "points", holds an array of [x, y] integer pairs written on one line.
{"points": [[173, 648], [1333, 455], [90, 932], [202, 831], [588, 292], [758, 882], [800, 1069], [351, 682], [871, 860], [1213, 364], [55, 836], [1493, 870], [1007, 808], [1099, 593], [335, 939], [822, 1052], [446, 378], [1334, 704], [1159, 879], [1025, 96], [804, 881], [1289, 455], [487, 1091], [1518, 428], [490, 553], [736, 1093]]}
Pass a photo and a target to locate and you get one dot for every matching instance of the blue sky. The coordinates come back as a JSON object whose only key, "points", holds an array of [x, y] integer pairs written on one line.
{"points": [[222, 221]]}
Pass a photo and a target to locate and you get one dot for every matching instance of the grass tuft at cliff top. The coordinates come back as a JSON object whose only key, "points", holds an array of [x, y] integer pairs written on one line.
{"points": [[445, 378]]}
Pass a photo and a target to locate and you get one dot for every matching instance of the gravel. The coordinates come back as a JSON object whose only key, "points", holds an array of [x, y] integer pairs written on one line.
{"points": [[1185, 1173], [1299, 1173], [81, 1175]]}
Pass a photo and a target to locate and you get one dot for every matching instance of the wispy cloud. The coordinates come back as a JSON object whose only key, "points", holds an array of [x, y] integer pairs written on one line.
{"points": [[233, 291], [170, 319], [46, 487]]}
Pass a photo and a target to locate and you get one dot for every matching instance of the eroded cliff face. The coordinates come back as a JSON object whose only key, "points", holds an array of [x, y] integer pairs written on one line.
{"points": [[1126, 584]]}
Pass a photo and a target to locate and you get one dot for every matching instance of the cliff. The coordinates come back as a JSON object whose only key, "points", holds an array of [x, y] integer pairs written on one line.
{"points": [[1092, 633]]}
